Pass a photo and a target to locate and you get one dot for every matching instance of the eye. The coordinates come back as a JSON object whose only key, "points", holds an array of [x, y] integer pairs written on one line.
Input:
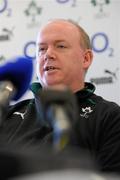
{"points": [[42, 49], [62, 46]]}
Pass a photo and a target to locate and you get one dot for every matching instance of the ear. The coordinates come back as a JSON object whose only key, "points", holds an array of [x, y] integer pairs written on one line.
{"points": [[88, 57]]}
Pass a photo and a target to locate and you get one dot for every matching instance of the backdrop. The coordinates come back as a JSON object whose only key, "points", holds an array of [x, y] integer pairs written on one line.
{"points": [[20, 20]]}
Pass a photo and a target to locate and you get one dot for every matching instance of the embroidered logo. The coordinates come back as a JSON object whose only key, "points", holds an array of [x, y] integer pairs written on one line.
{"points": [[86, 111], [21, 114]]}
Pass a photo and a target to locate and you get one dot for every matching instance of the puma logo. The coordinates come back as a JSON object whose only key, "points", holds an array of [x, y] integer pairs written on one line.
{"points": [[21, 114]]}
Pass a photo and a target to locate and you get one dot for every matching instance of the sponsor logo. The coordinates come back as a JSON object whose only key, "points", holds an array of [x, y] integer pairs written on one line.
{"points": [[100, 43], [100, 4], [67, 1], [6, 34], [32, 11], [22, 115], [3, 5], [30, 49], [112, 78]]}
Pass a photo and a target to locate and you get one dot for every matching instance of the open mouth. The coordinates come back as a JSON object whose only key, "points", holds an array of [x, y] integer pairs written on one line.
{"points": [[49, 68]]}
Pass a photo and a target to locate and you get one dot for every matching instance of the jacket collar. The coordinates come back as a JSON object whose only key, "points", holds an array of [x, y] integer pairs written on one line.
{"points": [[86, 92], [82, 94]]}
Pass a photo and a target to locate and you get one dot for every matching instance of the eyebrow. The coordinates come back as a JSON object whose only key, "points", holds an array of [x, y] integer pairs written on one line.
{"points": [[56, 41], [41, 44]]}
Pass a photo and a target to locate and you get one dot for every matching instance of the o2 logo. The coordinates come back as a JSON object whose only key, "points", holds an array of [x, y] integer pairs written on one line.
{"points": [[29, 49], [3, 5], [66, 1], [100, 43], [62, 1]]}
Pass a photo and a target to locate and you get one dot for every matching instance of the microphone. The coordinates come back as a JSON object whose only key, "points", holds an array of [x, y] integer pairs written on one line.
{"points": [[15, 77], [58, 108], [18, 71]]}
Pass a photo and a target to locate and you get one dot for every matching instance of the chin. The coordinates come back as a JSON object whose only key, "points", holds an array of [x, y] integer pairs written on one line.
{"points": [[52, 84]]}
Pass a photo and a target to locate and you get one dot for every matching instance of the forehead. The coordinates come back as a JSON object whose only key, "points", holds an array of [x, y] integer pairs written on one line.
{"points": [[61, 29], [60, 24]]}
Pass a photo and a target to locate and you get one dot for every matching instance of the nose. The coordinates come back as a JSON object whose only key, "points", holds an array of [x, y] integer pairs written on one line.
{"points": [[50, 54]]}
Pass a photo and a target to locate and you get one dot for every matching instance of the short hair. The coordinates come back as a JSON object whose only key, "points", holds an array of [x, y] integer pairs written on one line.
{"points": [[85, 39]]}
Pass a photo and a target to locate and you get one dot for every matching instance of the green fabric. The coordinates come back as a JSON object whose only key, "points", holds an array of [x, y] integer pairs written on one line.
{"points": [[35, 87]]}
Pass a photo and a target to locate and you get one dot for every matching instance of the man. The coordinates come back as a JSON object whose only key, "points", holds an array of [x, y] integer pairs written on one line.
{"points": [[63, 57]]}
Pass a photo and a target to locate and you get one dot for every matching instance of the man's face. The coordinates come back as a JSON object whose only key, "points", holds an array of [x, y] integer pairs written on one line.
{"points": [[60, 58]]}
